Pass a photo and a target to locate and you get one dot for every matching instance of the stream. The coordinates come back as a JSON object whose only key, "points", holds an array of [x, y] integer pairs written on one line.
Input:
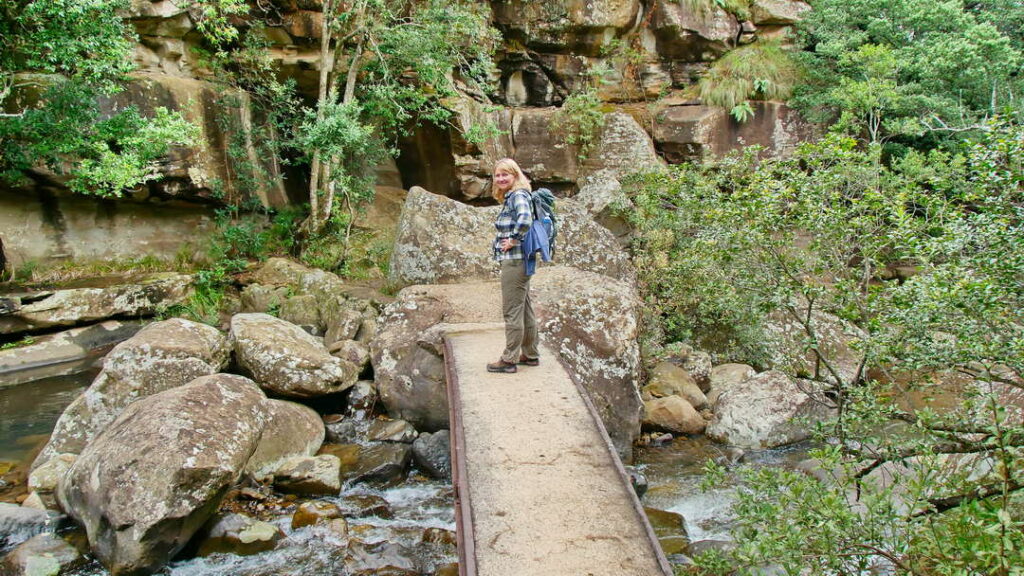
{"points": [[674, 471]]}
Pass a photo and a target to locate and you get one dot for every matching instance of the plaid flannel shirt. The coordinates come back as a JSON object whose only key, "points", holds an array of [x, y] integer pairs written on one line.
{"points": [[513, 222]]}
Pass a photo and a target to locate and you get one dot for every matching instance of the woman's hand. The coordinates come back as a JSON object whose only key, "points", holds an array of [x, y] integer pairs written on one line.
{"points": [[507, 244]]}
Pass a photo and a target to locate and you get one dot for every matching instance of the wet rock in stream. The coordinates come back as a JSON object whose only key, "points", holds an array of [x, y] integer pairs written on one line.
{"points": [[42, 554], [157, 473], [237, 534], [432, 454]]}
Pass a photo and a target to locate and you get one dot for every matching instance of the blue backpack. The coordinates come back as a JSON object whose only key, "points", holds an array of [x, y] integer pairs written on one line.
{"points": [[543, 202]]}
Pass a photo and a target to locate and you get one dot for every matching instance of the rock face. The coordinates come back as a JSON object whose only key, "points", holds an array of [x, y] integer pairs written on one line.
{"points": [[441, 241], [162, 356], [589, 319], [286, 360], [292, 430], [684, 133], [158, 472], [579, 27], [767, 411], [693, 35], [137, 297]]}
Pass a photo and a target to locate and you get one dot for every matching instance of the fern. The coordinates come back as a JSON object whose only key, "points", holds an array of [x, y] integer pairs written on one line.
{"points": [[759, 71]]}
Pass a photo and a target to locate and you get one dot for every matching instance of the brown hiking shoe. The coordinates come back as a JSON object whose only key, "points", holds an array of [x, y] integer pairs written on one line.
{"points": [[528, 361], [502, 367]]}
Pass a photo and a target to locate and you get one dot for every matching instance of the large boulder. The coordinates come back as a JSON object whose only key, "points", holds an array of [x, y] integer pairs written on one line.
{"points": [[286, 360], [768, 410], [441, 241], [146, 484], [692, 31], [779, 12], [292, 430], [837, 341], [161, 356], [673, 414], [566, 26], [588, 319], [133, 297]]}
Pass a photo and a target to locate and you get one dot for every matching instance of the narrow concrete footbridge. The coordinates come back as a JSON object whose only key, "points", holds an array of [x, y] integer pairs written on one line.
{"points": [[540, 490]]}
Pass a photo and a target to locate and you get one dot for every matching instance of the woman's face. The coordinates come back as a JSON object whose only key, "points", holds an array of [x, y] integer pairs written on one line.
{"points": [[503, 179]]}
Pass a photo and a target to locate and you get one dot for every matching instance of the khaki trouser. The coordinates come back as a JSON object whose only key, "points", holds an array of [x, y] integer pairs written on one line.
{"points": [[520, 323]]}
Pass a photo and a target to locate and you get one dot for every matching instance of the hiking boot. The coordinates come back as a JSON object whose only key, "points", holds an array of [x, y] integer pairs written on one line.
{"points": [[502, 367], [528, 361]]}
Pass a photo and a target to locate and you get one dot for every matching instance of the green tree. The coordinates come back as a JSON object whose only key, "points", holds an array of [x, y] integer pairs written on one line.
{"points": [[913, 487], [386, 65], [903, 68], [58, 58]]}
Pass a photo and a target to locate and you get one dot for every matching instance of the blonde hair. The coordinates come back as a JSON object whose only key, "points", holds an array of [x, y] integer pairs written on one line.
{"points": [[520, 182]]}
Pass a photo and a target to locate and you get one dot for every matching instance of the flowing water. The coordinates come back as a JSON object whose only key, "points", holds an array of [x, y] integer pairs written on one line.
{"points": [[674, 473], [317, 551], [29, 411]]}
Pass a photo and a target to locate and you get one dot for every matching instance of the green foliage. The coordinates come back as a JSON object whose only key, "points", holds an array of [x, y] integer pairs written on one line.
{"points": [[57, 59], [205, 301], [580, 120], [758, 71], [913, 487], [26, 341], [899, 68], [213, 19]]}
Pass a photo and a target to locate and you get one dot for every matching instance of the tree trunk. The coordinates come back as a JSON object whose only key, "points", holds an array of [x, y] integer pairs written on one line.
{"points": [[314, 224]]}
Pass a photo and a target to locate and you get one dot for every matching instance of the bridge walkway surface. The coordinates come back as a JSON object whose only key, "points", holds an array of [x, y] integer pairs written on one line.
{"points": [[539, 488]]}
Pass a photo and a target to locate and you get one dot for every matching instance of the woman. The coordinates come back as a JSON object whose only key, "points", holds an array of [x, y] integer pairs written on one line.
{"points": [[511, 189]]}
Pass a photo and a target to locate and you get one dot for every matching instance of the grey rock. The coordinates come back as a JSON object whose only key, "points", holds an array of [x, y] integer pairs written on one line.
{"points": [[149, 481], [391, 431], [786, 345], [441, 241], [674, 414], [379, 558], [432, 454], [363, 397], [292, 430], [768, 410], [18, 524], [42, 554], [285, 360], [162, 356], [237, 534], [76, 306], [259, 298], [352, 351], [309, 475], [727, 376], [381, 462]]}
